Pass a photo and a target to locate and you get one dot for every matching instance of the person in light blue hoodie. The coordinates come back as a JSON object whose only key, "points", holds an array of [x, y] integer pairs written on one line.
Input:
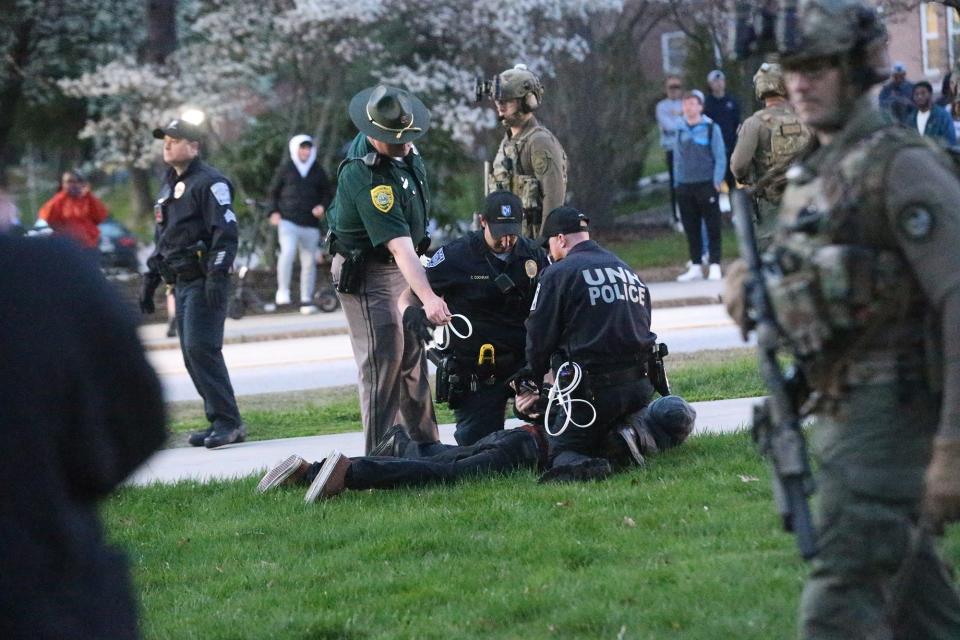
{"points": [[699, 165]]}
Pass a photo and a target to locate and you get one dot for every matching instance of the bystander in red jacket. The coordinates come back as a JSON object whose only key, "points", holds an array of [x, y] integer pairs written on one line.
{"points": [[75, 211]]}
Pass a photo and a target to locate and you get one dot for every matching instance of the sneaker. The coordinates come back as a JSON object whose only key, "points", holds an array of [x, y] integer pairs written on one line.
{"points": [[228, 436], [290, 472], [630, 438], [715, 272], [590, 469], [282, 298], [197, 437], [392, 443], [308, 309], [331, 480], [693, 272]]}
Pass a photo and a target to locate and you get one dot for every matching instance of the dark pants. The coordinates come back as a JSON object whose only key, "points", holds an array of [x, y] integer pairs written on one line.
{"points": [[612, 403], [201, 341], [481, 412], [421, 464], [699, 203], [673, 189]]}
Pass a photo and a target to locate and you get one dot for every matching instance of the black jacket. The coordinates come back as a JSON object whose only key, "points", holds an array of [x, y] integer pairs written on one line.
{"points": [[593, 308], [198, 210], [81, 409], [464, 272], [295, 196]]}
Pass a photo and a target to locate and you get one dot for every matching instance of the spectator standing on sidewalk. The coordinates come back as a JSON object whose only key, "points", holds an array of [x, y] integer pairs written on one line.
{"points": [[299, 195], [725, 111], [929, 119], [699, 164], [896, 96], [75, 211], [669, 112]]}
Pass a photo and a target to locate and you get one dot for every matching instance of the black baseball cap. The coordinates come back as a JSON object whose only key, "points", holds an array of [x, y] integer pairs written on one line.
{"points": [[503, 211], [563, 220], [180, 129]]}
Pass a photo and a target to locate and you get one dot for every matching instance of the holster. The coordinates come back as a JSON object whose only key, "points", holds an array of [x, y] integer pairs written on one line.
{"points": [[656, 370], [353, 271], [184, 265]]}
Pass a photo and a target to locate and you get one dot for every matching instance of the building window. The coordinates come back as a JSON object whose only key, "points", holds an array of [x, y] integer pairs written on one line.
{"points": [[673, 45], [953, 34], [933, 53]]}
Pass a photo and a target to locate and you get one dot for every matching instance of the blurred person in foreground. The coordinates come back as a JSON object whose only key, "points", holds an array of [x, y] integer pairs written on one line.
{"points": [[82, 408]]}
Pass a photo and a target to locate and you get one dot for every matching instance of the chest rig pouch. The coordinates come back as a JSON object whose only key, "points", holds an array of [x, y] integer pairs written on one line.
{"points": [[835, 277]]}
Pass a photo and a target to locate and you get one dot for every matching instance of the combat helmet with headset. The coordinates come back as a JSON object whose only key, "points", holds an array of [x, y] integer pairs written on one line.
{"points": [[519, 83]]}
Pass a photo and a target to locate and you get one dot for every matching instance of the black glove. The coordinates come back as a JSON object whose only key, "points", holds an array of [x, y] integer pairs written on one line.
{"points": [[147, 288], [215, 289], [415, 321]]}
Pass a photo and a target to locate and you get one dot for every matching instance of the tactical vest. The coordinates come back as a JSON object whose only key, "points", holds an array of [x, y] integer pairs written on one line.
{"points": [[842, 291], [509, 172], [788, 138]]}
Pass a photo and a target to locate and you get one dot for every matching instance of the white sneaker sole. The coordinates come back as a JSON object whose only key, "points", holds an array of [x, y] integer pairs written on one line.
{"points": [[331, 475], [280, 473]]}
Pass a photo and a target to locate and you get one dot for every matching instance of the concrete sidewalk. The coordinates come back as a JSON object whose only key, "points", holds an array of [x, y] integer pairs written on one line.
{"points": [[278, 326], [189, 463]]}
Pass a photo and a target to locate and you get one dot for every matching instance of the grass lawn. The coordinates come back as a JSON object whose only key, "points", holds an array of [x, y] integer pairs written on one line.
{"points": [[664, 248], [706, 375], [686, 548]]}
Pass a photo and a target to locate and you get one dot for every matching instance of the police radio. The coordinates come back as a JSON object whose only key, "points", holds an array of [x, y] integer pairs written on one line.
{"points": [[764, 27]]}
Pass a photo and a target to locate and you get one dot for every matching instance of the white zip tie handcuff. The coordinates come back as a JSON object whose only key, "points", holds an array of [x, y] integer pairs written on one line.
{"points": [[564, 397], [441, 333]]}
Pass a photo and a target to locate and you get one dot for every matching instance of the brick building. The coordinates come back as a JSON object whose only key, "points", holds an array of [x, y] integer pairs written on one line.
{"points": [[926, 39]]}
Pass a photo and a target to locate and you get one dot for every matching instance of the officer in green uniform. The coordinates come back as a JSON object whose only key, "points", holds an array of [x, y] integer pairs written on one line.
{"points": [[767, 143], [378, 227], [530, 161], [864, 278]]}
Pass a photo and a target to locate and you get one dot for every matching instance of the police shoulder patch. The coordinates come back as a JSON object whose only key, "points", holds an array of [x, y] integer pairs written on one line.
{"points": [[221, 191], [382, 197], [437, 258], [916, 222]]}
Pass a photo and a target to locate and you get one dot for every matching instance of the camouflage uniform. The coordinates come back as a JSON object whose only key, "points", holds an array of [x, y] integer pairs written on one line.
{"points": [[531, 164], [767, 142], [864, 278]]}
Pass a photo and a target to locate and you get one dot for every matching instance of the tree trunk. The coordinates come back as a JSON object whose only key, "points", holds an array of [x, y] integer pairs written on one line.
{"points": [[11, 91], [141, 195]]}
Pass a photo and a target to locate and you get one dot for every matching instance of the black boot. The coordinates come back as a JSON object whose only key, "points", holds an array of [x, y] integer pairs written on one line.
{"points": [[393, 443], [221, 437], [197, 437]]}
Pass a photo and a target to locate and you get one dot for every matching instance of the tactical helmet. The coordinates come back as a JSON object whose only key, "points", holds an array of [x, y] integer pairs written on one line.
{"points": [[768, 81], [519, 83], [848, 30]]}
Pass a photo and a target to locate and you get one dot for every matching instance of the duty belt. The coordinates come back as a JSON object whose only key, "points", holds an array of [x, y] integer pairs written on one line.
{"points": [[607, 378]]}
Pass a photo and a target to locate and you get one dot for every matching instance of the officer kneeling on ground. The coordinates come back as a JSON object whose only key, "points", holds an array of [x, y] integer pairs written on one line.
{"points": [[590, 324], [400, 462], [196, 242], [488, 277]]}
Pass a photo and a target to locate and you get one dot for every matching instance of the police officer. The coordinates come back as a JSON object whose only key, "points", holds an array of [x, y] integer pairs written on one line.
{"points": [[196, 241], [767, 143], [530, 161], [378, 226], [487, 276], [865, 284], [590, 324]]}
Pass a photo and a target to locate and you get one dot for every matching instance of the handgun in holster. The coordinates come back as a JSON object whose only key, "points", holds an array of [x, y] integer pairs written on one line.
{"points": [[656, 371], [353, 271], [186, 264]]}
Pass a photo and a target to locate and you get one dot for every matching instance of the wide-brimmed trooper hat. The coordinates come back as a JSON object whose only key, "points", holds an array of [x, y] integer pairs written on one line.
{"points": [[389, 114]]}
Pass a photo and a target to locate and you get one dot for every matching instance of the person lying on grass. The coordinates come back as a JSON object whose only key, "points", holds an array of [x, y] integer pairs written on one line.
{"points": [[399, 462]]}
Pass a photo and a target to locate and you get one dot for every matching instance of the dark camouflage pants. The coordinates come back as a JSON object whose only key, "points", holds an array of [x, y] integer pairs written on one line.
{"points": [[876, 576]]}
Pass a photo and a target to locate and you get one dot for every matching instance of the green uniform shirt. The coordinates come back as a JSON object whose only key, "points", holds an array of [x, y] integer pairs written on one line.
{"points": [[379, 198]]}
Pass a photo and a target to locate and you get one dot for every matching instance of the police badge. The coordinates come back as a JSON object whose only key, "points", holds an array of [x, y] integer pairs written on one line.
{"points": [[530, 266], [382, 197]]}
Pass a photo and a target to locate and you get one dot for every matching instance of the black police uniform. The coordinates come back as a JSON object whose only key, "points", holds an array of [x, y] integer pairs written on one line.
{"points": [[592, 309], [495, 294], [193, 208]]}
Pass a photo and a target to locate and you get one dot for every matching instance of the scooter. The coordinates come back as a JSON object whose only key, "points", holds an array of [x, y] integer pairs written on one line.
{"points": [[244, 297]]}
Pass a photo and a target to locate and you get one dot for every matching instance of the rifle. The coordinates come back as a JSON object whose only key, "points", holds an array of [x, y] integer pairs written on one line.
{"points": [[776, 423]]}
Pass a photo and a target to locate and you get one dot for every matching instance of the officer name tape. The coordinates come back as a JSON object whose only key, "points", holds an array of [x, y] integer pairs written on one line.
{"points": [[609, 285]]}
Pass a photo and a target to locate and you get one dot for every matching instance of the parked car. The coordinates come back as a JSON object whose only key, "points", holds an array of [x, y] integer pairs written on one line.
{"points": [[118, 248]]}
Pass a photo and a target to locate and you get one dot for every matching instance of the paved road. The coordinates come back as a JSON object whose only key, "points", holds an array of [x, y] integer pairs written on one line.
{"points": [[188, 463], [309, 363]]}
